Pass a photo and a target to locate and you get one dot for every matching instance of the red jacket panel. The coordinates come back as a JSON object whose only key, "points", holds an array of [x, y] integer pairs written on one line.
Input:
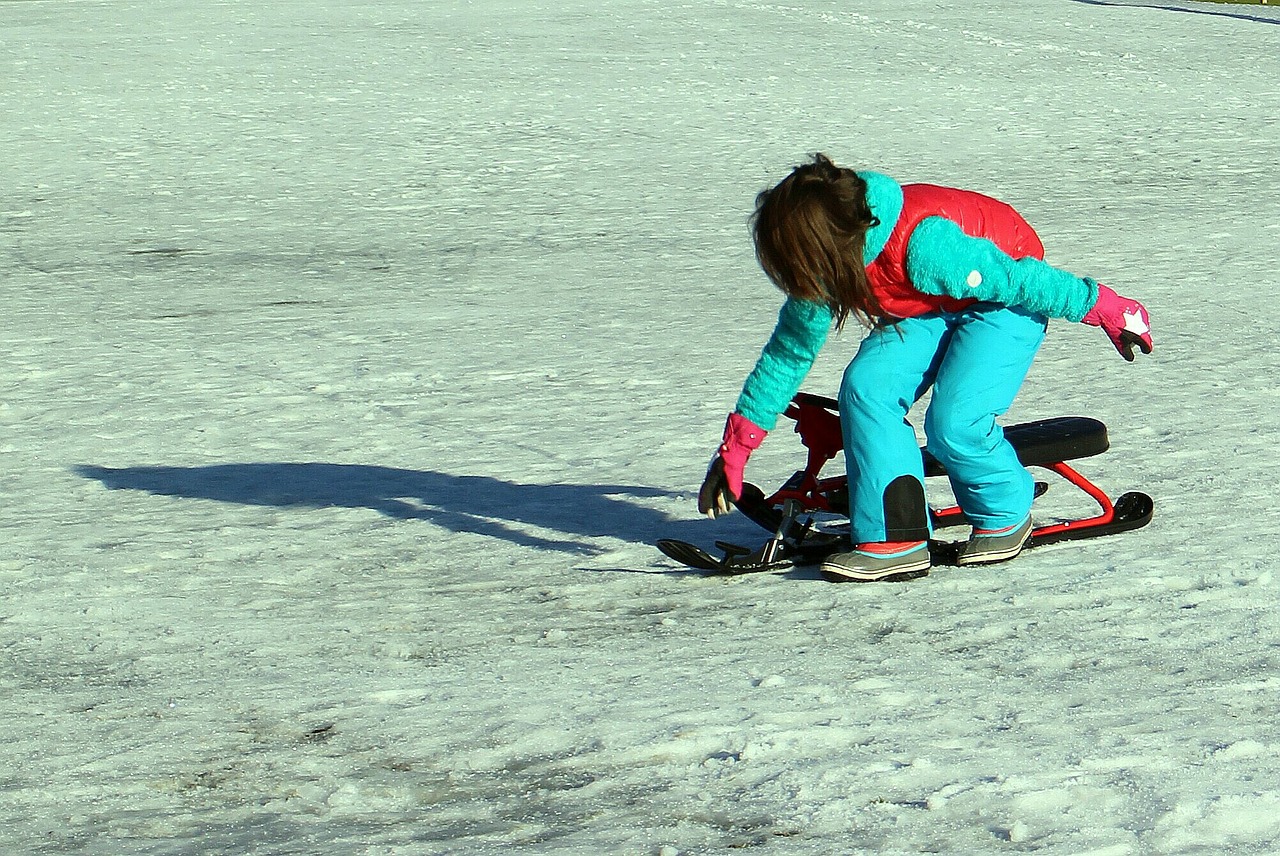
{"points": [[977, 215]]}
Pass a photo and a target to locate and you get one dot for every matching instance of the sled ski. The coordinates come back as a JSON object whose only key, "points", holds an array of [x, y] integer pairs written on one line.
{"points": [[793, 543], [793, 510]]}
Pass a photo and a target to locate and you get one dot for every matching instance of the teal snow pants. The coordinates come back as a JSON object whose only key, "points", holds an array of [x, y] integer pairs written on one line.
{"points": [[975, 360]]}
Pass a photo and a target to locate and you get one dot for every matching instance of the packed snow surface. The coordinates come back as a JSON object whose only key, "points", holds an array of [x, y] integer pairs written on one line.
{"points": [[356, 353]]}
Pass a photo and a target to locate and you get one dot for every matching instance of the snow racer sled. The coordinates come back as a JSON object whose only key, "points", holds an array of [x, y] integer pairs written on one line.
{"points": [[804, 515]]}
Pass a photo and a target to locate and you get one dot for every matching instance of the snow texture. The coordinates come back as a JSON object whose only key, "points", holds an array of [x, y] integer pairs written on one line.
{"points": [[355, 353]]}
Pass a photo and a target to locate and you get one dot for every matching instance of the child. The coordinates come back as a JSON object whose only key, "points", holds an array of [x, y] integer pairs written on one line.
{"points": [[953, 289]]}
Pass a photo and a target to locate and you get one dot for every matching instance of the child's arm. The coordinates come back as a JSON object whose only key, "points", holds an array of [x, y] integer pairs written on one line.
{"points": [[942, 259], [785, 361], [802, 330]]}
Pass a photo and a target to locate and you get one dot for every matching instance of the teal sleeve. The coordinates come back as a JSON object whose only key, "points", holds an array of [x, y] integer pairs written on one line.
{"points": [[803, 327], [943, 260]]}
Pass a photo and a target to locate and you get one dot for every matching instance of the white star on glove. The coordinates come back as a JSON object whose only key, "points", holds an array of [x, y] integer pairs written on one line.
{"points": [[1134, 322]]}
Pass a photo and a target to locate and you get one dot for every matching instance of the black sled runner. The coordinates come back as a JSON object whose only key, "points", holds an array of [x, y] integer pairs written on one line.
{"points": [[799, 514]]}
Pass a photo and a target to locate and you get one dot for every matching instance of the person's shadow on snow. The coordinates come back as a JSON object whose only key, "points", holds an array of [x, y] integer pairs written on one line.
{"points": [[477, 504]]}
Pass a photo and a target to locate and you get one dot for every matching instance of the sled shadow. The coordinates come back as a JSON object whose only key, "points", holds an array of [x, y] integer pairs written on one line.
{"points": [[1219, 13], [475, 504]]}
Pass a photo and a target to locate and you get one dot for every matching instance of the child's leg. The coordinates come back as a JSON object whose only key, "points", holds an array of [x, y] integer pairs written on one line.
{"points": [[892, 369], [989, 355]]}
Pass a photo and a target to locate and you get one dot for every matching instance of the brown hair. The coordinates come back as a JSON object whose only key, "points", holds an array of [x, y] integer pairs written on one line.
{"points": [[809, 233]]}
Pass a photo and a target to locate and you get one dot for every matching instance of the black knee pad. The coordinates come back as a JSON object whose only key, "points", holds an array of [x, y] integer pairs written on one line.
{"points": [[906, 517]]}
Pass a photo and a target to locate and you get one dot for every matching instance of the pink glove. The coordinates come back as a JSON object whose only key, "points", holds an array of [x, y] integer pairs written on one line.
{"points": [[723, 484], [1123, 319]]}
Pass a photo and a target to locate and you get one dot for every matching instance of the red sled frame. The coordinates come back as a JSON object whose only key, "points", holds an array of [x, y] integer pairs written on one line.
{"points": [[1047, 443]]}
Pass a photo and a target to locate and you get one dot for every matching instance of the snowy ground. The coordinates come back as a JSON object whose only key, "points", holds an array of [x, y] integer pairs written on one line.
{"points": [[356, 352]]}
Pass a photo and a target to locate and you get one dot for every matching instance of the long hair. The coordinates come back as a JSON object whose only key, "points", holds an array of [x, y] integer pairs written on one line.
{"points": [[809, 233]]}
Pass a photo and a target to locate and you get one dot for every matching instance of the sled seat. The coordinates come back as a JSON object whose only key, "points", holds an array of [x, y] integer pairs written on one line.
{"points": [[1046, 441]]}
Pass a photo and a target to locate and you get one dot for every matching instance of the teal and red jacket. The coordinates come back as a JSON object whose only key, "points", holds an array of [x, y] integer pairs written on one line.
{"points": [[935, 249]]}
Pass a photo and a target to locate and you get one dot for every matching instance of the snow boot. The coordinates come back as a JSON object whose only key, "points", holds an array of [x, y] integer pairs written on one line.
{"points": [[985, 548], [864, 567]]}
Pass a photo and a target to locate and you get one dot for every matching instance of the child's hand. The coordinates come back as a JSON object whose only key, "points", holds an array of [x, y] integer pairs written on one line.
{"points": [[723, 484], [1123, 319], [715, 496]]}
